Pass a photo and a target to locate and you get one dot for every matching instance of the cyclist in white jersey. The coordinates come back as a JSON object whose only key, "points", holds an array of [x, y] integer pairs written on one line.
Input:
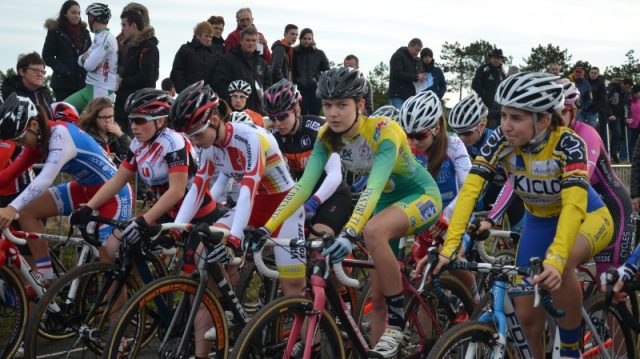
{"points": [[100, 61]]}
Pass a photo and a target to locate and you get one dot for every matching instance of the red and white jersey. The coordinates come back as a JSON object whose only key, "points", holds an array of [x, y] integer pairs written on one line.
{"points": [[249, 154]]}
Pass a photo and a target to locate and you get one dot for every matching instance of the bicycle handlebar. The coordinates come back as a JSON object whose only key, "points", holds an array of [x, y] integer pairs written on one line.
{"points": [[7, 233]]}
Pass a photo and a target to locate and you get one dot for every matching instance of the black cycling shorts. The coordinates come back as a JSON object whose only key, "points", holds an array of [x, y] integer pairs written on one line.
{"points": [[335, 211]]}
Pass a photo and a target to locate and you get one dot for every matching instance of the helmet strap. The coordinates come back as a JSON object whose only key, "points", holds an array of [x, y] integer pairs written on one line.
{"points": [[353, 124], [538, 135]]}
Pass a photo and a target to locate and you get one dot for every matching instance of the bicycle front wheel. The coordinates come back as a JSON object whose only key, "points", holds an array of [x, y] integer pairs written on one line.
{"points": [[267, 334], [167, 303], [467, 340], [14, 306]]}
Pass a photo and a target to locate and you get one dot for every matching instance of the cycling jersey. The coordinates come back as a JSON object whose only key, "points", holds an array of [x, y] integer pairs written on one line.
{"points": [[167, 153], [474, 150], [453, 171], [550, 177], [380, 149], [9, 151], [102, 63]]}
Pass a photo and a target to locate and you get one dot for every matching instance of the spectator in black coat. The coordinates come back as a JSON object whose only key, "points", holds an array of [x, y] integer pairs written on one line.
{"points": [[404, 70], [67, 39], [140, 66], [485, 83], [618, 93], [29, 82], [433, 76], [282, 55], [308, 63], [243, 62], [218, 27], [196, 60]]}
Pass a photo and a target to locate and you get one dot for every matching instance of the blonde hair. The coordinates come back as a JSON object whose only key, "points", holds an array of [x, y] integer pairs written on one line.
{"points": [[89, 116], [203, 28]]}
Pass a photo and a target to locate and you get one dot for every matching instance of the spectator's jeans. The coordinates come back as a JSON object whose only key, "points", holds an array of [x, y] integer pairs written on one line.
{"points": [[310, 105], [396, 102], [610, 138], [588, 118]]}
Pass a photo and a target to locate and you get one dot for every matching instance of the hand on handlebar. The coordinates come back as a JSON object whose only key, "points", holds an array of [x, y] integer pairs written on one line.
{"points": [[255, 237], [550, 278], [82, 216], [7, 215], [339, 249]]}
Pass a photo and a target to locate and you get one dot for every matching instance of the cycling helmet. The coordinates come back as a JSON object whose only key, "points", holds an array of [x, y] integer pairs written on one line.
{"points": [[387, 111], [531, 91], [240, 86], [63, 111], [340, 83], [148, 103], [420, 112], [571, 94], [100, 11], [241, 117], [467, 114], [15, 114], [281, 97], [193, 107]]}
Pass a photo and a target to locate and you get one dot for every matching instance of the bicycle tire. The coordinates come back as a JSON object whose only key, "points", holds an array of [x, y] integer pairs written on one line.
{"points": [[74, 312], [131, 313], [611, 322], [13, 304], [257, 338], [464, 334]]}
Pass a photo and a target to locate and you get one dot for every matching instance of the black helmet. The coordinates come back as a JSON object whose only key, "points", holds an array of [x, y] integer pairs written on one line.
{"points": [[193, 107], [341, 82], [100, 11], [148, 103], [15, 114], [280, 97]]}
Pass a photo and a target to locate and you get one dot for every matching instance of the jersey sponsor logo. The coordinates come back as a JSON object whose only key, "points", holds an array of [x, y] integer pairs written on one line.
{"points": [[313, 125], [427, 209], [379, 126], [490, 145], [544, 168], [573, 147], [523, 183], [346, 154], [305, 141], [516, 163], [580, 166]]}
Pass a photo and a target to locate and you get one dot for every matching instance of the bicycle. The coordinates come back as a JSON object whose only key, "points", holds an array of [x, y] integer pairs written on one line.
{"points": [[79, 305]]}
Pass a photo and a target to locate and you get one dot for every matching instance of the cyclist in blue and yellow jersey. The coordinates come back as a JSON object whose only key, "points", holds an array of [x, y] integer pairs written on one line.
{"points": [[566, 222], [401, 197]]}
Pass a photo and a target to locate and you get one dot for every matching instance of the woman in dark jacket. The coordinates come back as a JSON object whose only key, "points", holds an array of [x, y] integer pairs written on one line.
{"points": [[98, 121], [308, 63], [434, 78], [196, 60], [67, 39]]}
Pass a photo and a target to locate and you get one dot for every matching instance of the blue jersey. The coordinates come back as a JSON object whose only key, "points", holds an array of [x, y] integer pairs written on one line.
{"points": [[474, 149]]}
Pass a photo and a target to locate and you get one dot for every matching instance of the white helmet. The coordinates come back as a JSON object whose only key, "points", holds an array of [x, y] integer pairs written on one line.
{"points": [[467, 114], [420, 112], [387, 111], [239, 86], [570, 92], [240, 117], [531, 91]]}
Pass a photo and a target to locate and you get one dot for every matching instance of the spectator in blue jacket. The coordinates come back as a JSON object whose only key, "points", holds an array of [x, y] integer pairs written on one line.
{"points": [[433, 76], [584, 115]]}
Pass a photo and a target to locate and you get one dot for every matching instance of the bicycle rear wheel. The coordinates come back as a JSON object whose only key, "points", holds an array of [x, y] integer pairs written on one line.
{"points": [[267, 334], [14, 306], [470, 338], [618, 338]]}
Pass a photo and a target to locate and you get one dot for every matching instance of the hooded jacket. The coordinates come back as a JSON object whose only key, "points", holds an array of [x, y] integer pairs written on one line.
{"points": [[194, 62], [281, 61], [403, 72], [60, 53], [237, 65], [40, 96], [308, 64]]}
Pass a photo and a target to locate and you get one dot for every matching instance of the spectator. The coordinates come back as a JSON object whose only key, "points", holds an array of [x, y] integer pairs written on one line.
{"points": [[100, 61], [29, 82], [244, 18], [218, 27], [144, 12], [617, 97], [244, 63], [433, 76], [67, 38], [586, 113], [554, 69], [353, 62], [169, 86], [308, 63], [98, 120], [140, 66], [634, 117], [196, 60], [513, 70], [404, 70], [240, 90], [282, 54], [485, 83], [600, 106]]}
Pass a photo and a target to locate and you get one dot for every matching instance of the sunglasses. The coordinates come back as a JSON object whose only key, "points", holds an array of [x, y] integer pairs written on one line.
{"points": [[418, 136], [280, 116], [142, 119], [468, 132], [197, 133]]}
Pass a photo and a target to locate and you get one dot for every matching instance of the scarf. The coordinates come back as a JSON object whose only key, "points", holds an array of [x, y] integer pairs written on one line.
{"points": [[73, 31]]}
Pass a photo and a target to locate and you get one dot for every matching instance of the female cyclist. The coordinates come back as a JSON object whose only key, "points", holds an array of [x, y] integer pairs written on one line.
{"points": [[401, 193], [62, 147], [566, 222], [247, 153]]}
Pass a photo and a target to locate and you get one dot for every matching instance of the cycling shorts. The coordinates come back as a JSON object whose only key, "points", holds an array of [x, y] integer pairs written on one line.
{"points": [[335, 211], [81, 98], [71, 195], [291, 263]]}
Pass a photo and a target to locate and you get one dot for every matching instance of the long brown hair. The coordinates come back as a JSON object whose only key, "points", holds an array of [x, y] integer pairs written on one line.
{"points": [[89, 118], [438, 149], [45, 131]]}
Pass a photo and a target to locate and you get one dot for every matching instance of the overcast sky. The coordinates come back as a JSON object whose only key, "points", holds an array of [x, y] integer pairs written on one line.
{"points": [[600, 32]]}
